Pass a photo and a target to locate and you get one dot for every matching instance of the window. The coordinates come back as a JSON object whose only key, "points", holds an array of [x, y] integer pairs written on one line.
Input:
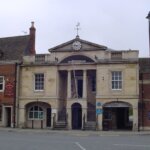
{"points": [[1, 83], [93, 84], [35, 112], [0, 113], [116, 80], [39, 82]]}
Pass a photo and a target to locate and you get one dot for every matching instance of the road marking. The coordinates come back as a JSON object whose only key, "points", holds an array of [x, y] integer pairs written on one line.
{"points": [[129, 145], [80, 146]]}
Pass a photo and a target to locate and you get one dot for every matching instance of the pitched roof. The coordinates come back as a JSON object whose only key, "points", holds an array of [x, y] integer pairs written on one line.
{"points": [[13, 48], [67, 46]]}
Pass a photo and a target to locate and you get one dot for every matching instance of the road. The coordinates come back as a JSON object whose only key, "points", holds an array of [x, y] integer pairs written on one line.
{"points": [[71, 141]]}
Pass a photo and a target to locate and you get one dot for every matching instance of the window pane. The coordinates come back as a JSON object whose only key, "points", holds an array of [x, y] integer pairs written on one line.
{"points": [[39, 81], [30, 115], [40, 115], [36, 114], [116, 80], [0, 113], [35, 108], [1, 87], [1, 79]]}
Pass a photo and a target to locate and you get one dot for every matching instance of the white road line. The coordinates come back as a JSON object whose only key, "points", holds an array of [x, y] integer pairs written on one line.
{"points": [[80, 146], [131, 145]]}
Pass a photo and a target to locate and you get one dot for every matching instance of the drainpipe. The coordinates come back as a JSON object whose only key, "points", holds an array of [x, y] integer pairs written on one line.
{"points": [[142, 101], [148, 17], [17, 93], [14, 102]]}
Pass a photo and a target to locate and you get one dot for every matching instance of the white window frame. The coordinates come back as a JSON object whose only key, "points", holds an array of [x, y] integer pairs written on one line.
{"points": [[39, 112], [39, 89], [116, 80], [3, 83]]}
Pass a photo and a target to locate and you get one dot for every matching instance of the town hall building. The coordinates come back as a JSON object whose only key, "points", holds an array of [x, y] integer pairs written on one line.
{"points": [[79, 85]]}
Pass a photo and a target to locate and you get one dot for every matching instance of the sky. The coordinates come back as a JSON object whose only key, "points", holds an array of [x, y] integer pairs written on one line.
{"points": [[117, 24]]}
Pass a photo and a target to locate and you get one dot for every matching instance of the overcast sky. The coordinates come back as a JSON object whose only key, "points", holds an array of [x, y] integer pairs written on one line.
{"points": [[117, 24]]}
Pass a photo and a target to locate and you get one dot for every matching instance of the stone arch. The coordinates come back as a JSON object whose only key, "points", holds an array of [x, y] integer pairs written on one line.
{"points": [[81, 58], [117, 115], [38, 114], [76, 110]]}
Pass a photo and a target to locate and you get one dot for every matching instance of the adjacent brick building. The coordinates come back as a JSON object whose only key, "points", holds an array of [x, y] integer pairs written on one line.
{"points": [[144, 97], [12, 50]]}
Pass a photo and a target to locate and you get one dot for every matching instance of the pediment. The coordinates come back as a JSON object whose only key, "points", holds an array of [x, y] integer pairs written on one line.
{"points": [[82, 45]]}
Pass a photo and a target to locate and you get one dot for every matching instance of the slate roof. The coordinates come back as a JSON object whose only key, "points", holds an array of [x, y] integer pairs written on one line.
{"points": [[13, 48], [144, 64]]}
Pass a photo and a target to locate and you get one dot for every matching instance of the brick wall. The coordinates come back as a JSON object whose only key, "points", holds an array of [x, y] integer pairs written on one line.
{"points": [[8, 71]]}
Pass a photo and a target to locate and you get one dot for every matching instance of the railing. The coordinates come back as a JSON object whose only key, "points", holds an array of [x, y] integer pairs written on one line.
{"points": [[116, 55], [40, 58], [54, 120], [84, 122]]}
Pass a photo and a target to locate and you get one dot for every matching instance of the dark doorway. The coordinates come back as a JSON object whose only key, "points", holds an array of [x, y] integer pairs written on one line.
{"points": [[76, 116], [8, 116], [48, 115], [80, 88], [120, 118], [116, 118]]}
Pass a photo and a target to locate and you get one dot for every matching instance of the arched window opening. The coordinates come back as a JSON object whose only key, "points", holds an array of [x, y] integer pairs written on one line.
{"points": [[35, 113]]}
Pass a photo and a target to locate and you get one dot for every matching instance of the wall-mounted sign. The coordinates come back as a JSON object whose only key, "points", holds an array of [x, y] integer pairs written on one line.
{"points": [[9, 89], [98, 104], [54, 111], [99, 111]]}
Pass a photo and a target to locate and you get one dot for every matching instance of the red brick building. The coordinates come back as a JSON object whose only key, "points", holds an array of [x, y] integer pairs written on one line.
{"points": [[12, 49], [144, 97]]}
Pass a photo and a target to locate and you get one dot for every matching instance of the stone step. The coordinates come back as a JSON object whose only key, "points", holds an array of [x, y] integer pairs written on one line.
{"points": [[90, 125], [60, 125]]}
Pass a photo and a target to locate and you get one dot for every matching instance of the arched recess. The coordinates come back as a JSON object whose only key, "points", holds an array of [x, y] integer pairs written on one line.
{"points": [[38, 115], [77, 58], [76, 110], [117, 115]]}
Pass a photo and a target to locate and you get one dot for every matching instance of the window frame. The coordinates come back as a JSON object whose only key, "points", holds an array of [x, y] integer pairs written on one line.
{"points": [[35, 82], [3, 83], [35, 112], [116, 80]]}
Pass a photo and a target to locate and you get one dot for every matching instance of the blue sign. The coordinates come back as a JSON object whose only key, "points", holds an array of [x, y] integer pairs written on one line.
{"points": [[99, 111], [98, 104]]}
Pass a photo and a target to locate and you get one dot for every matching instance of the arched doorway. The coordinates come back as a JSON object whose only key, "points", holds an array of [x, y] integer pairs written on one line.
{"points": [[117, 116], [38, 115], [76, 116]]}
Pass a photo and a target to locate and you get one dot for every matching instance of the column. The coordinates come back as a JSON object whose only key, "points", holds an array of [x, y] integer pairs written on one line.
{"points": [[84, 84], [69, 84], [135, 118], [69, 118], [84, 114], [22, 117], [99, 120]]}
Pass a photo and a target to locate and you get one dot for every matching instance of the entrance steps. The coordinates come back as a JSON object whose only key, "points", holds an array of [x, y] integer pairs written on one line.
{"points": [[90, 125], [60, 125]]}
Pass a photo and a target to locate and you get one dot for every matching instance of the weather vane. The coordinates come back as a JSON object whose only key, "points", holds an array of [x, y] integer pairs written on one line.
{"points": [[78, 28]]}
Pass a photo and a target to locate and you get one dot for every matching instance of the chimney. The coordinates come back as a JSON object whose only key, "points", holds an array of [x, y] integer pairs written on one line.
{"points": [[148, 17], [32, 39]]}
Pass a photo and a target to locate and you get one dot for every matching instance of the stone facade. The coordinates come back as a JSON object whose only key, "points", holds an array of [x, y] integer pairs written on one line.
{"points": [[79, 83]]}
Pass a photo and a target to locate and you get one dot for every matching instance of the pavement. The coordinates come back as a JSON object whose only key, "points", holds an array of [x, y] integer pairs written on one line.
{"points": [[76, 132]]}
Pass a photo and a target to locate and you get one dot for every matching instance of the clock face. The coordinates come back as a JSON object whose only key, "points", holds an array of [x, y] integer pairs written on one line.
{"points": [[76, 45]]}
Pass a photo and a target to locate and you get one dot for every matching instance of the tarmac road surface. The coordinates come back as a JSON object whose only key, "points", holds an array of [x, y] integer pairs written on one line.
{"points": [[22, 140]]}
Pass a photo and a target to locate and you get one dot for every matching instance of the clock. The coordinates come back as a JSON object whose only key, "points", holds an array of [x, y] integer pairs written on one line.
{"points": [[76, 45]]}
